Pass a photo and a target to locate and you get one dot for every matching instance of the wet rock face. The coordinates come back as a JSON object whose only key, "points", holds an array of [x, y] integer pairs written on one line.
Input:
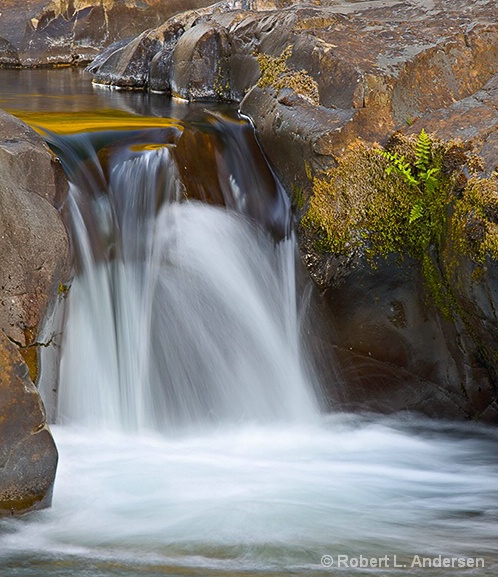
{"points": [[33, 243], [389, 348], [28, 456], [39, 33], [34, 255]]}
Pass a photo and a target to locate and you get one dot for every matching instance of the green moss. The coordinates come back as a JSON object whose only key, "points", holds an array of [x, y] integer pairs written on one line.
{"points": [[474, 226], [407, 200], [298, 197], [276, 73]]}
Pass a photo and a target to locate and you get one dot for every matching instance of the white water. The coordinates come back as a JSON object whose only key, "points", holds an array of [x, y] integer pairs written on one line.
{"points": [[263, 499], [193, 321], [190, 442]]}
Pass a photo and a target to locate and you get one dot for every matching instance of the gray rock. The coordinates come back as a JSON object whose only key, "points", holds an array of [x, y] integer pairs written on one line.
{"points": [[41, 33]]}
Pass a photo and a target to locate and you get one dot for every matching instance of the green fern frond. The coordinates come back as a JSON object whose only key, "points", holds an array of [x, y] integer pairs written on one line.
{"points": [[399, 165], [423, 151], [429, 179], [416, 212]]}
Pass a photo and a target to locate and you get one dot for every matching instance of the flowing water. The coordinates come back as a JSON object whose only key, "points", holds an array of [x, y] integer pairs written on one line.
{"points": [[188, 423]]}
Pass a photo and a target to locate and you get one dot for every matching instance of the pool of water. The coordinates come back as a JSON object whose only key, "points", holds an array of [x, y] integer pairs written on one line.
{"points": [[309, 499]]}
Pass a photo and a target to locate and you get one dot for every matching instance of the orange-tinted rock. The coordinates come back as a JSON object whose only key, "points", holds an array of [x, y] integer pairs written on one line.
{"points": [[40, 33], [28, 457]]}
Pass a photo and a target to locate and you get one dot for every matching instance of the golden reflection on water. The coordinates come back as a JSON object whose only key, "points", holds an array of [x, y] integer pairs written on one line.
{"points": [[90, 121]]}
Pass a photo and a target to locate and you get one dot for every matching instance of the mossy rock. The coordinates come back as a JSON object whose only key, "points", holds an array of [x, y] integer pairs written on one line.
{"points": [[361, 220], [372, 206]]}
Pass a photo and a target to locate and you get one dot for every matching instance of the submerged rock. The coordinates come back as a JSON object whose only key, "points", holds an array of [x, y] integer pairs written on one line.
{"points": [[28, 456]]}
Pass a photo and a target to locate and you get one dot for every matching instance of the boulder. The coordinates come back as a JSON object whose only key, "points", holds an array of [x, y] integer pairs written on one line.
{"points": [[33, 244], [43, 33], [388, 348], [28, 456], [35, 259]]}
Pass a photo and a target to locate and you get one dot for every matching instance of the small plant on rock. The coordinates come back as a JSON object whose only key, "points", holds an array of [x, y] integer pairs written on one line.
{"points": [[420, 174], [390, 201]]}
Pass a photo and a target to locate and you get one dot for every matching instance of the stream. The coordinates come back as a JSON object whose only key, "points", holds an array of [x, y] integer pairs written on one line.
{"points": [[189, 421]]}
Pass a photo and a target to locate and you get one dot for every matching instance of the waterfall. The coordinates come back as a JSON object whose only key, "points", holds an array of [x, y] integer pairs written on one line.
{"points": [[182, 311], [188, 437]]}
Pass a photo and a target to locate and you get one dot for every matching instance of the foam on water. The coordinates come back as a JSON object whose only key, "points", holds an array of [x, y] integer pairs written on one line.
{"points": [[263, 498]]}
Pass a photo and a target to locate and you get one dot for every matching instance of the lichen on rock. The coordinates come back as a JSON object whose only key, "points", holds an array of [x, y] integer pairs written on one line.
{"points": [[276, 73]]}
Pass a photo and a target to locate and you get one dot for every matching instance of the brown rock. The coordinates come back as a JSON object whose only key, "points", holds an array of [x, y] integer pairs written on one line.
{"points": [[473, 120], [28, 457], [33, 241], [27, 162], [41, 33], [377, 66]]}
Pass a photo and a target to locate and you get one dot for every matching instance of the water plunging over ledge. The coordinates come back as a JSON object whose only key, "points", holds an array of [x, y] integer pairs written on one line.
{"points": [[187, 309], [189, 435]]}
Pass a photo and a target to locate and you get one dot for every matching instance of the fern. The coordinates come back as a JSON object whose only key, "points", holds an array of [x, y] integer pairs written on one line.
{"points": [[431, 183], [400, 166], [423, 151], [419, 174], [416, 212]]}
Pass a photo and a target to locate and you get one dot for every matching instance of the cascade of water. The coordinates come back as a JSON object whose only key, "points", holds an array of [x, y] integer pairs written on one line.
{"points": [[173, 301], [181, 313]]}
